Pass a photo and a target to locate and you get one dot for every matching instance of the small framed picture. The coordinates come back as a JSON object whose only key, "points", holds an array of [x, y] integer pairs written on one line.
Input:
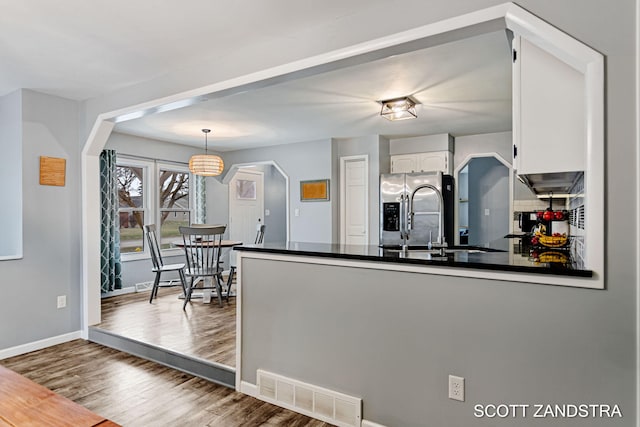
{"points": [[314, 191], [52, 171]]}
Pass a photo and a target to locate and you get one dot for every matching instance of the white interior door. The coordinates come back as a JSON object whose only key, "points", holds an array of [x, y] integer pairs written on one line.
{"points": [[246, 205], [354, 200]]}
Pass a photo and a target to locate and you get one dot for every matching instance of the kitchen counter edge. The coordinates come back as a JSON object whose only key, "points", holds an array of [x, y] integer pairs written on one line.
{"points": [[311, 252]]}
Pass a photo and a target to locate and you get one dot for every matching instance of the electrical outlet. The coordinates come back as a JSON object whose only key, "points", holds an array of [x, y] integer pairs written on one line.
{"points": [[62, 301], [456, 388]]}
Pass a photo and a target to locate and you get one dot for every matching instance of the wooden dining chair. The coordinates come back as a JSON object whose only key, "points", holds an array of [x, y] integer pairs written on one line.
{"points": [[202, 252], [159, 266], [260, 234], [232, 259]]}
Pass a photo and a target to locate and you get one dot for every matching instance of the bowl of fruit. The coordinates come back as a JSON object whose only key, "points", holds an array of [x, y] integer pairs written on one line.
{"points": [[549, 256], [556, 240]]}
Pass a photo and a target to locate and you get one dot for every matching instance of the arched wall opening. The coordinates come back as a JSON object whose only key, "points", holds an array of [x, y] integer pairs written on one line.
{"points": [[507, 16], [484, 188], [276, 191]]}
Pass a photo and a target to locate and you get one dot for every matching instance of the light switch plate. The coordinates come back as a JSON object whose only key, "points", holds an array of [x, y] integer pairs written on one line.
{"points": [[62, 301]]}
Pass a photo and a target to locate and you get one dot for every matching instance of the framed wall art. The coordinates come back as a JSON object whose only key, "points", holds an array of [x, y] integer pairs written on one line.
{"points": [[52, 171], [314, 191]]}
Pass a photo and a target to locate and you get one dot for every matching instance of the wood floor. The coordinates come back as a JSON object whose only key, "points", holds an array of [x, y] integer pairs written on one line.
{"points": [[207, 331], [135, 392]]}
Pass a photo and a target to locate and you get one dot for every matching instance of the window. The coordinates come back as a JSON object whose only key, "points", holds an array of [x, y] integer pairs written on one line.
{"points": [[245, 190], [151, 193], [174, 204], [131, 195]]}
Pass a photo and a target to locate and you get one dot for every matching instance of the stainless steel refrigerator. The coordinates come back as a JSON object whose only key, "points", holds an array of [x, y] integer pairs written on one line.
{"points": [[416, 209]]}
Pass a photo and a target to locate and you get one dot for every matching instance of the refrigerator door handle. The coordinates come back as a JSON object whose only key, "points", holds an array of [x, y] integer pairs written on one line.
{"points": [[407, 217], [402, 216]]}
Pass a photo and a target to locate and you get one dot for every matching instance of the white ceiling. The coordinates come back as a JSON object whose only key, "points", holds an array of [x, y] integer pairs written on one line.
{"points": [[464, 87], [80, 49]]}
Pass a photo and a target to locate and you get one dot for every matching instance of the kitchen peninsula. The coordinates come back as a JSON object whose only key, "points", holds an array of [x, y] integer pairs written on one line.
{"points": [[454, 257], [361, 320]]}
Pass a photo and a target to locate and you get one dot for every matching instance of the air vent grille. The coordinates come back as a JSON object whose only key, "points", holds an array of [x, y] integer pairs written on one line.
{"points": [[268, 387], [317, 402], [303, 398]]}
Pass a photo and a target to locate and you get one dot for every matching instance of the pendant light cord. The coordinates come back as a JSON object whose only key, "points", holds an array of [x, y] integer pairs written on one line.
{"points": [[206, 140]]}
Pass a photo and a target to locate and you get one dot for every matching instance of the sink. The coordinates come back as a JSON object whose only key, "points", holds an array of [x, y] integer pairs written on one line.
{"points": [[418, 250]]}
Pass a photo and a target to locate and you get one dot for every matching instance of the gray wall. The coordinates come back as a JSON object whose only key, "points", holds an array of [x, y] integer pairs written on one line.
{"points": [[394, 346], [11, 175], [488, 188], [51, 217], [302, 161], [275, 200], [421, 144]]}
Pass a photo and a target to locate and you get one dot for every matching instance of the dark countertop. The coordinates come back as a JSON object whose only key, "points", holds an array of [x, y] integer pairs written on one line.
{"points": [[494, 260]]}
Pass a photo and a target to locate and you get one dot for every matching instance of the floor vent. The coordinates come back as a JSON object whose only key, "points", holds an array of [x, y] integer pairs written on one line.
{"points": [[144, 286], [317, 402]]}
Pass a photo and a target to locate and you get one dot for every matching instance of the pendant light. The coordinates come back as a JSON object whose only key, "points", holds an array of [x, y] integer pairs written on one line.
{"points": [[206, 164]]}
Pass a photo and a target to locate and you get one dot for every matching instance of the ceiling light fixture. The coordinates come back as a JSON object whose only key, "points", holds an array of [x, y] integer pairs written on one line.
{"points": [[206, 164], [398, 108]]}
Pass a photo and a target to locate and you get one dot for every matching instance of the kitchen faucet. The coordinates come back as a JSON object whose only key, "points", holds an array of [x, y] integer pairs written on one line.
{"points": [[441, 239]]}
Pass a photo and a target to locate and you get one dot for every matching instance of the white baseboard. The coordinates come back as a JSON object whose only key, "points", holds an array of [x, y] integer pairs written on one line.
{"points": [[366, 423], [37, 345], [123, 291], [248, 389]]}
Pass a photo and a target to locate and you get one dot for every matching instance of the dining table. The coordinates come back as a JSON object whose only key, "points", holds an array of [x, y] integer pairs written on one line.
{"points": [[207, 294]]}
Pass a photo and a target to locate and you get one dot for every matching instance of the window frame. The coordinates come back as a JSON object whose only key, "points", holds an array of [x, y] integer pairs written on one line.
{"points": [[147, 203], [173, 167], [151, 198]]}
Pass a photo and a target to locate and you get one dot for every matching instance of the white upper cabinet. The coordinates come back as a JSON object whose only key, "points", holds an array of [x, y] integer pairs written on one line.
{"points": [[436, 161], [404, 163], [549, 111]]}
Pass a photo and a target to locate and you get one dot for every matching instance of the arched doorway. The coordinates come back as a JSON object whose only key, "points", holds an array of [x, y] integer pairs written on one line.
{"points": [[276, 197], [484, 201]]}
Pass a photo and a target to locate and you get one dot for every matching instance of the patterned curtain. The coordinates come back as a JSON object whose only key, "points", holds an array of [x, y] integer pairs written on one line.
{"points": [[200, 191], [110, 264]]}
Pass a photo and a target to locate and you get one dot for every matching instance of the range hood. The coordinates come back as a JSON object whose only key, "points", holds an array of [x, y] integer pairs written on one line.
{"points": [[557, 183]]}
